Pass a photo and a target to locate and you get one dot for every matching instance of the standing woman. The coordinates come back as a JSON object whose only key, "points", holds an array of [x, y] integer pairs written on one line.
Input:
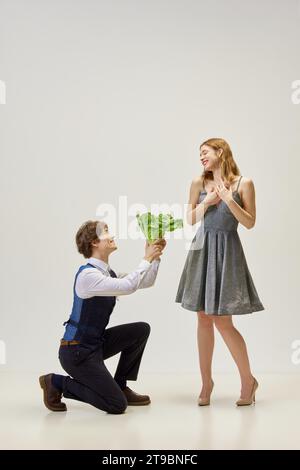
{"points": [[216, 282]]}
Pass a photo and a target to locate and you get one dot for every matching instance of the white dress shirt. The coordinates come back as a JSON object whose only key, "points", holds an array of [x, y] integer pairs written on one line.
{"points": [[96, 280]]}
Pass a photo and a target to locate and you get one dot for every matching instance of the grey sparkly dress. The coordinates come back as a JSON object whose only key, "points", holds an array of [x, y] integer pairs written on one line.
{"points": [[215, 277]]}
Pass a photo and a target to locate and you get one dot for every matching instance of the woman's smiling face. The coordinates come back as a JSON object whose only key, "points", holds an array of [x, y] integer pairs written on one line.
{"points": [[209, 157]]}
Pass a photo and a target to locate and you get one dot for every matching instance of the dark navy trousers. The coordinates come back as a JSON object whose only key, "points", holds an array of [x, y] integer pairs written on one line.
{"points": [[90, 381]]}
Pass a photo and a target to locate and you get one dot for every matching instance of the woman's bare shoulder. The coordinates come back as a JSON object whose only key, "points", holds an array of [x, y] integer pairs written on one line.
{"points": [[246, 186], [246, 182], [197, 182]]}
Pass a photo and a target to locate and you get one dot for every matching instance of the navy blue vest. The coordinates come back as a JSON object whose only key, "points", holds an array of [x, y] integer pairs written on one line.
{"points": [[89, 317]]}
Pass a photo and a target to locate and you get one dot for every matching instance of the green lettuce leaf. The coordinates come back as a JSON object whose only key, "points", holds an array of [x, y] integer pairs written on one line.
{"points": [[154, 227]]}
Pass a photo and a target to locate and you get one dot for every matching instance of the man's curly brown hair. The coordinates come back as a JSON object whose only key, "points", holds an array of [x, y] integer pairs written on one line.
{"points": [[87, 234]]}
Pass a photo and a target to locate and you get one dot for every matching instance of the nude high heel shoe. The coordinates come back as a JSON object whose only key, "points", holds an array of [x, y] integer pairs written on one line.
{"points": [[206, 401], [251, 399]]}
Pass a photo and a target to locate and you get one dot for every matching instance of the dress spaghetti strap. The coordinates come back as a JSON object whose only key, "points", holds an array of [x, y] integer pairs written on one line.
{"points": [[238, 184]]}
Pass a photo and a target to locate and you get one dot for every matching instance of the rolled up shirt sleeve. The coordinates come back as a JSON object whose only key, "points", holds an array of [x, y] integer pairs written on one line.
{"points": [[92, 282]]}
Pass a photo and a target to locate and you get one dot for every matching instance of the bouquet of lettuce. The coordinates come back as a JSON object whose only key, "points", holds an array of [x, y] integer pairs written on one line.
{"points": [[154, 227]]}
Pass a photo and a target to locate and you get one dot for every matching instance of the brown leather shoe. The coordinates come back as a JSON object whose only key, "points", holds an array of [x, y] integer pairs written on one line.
{"points": [[52, 396], [135, 399]]}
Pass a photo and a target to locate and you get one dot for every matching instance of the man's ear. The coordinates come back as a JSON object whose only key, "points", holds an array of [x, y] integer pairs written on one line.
{"points": [[95, 243]]}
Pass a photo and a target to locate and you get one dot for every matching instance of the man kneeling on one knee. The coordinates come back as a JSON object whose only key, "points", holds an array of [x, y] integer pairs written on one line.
{"points": [[87, 341]]}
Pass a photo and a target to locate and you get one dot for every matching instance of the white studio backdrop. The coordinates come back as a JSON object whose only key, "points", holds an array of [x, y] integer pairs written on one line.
{"points": [[107, 99]]}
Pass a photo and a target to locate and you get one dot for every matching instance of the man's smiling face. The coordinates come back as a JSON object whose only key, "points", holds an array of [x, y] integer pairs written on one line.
{"points": [[106, 243]]}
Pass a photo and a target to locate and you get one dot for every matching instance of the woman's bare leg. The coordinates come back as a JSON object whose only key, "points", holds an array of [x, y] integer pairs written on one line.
{"points": [[238, 349], [206, 340]]}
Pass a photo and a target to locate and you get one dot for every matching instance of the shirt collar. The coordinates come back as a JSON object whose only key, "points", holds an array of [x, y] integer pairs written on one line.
{"points": [[98, 263]]}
